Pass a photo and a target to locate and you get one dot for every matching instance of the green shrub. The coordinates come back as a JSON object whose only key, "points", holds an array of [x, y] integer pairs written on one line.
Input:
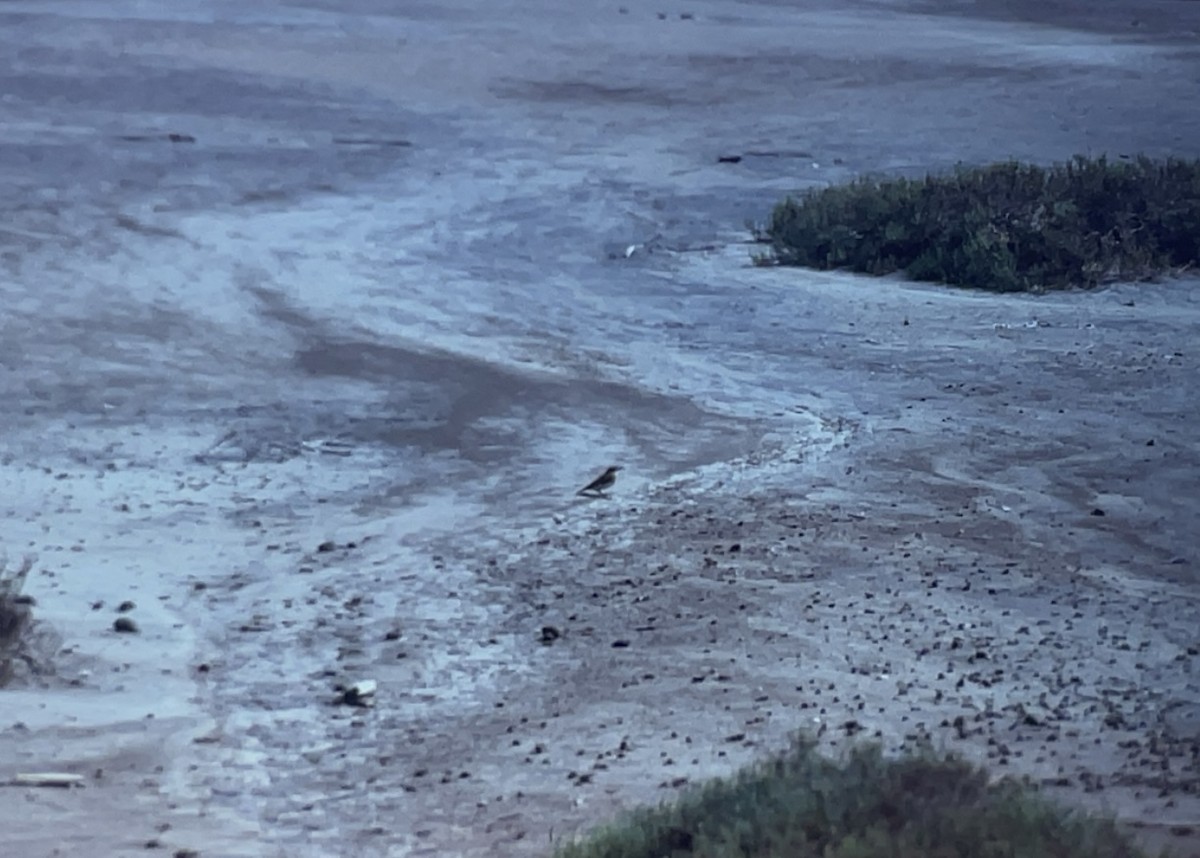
{"points": [[1005, 227], [801, 804]]}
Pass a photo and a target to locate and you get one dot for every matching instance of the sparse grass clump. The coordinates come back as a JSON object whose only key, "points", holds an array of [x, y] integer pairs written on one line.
{"points": [[1006, 227], [15, 617], [802, 804]]}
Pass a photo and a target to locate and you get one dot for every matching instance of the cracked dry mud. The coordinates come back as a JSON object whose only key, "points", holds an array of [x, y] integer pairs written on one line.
{"points": [[313, 329]]}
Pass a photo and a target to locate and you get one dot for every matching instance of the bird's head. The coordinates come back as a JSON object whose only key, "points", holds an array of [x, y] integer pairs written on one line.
{"points": [[612, 469]]}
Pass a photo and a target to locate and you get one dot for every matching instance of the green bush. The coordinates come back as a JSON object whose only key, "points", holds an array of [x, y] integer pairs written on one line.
{"points": [[801, 804], [1005, 227]]}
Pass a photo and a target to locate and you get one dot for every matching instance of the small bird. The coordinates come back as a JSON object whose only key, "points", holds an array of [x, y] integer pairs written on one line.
{"points": [[602, 483]]}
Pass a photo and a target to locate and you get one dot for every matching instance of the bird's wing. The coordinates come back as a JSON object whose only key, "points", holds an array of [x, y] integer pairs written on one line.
{"points": [[593, 485]]}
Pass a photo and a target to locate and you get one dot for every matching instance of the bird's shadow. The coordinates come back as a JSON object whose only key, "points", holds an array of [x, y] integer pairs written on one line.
{"points": [[588, 497]]}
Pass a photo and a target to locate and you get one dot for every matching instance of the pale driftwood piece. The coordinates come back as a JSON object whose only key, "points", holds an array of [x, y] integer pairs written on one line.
{"points": [[62, 780]]}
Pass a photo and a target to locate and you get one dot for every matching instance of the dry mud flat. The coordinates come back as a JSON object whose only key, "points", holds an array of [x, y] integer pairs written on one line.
{"points": [[923, 572], [935, 576], [304, 359]]}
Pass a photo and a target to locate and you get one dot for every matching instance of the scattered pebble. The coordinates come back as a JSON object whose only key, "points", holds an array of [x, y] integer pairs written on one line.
{"points": [[360, 694]]}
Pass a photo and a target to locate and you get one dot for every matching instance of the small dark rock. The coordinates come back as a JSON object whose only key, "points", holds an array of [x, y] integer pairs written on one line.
{"points": [[393, 635], [360, 694], [125, 625], [729, 159], [1098, 512], [125, 607], [549, 634], [620, 644], [326, 546]]}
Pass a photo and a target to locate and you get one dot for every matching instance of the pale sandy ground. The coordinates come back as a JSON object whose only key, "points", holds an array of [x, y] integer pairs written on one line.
{"points": [[382, 301]]}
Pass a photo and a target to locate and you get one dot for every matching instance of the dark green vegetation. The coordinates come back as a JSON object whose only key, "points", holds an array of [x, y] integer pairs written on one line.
{"points": [[802, 804], [1006, 227]]}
